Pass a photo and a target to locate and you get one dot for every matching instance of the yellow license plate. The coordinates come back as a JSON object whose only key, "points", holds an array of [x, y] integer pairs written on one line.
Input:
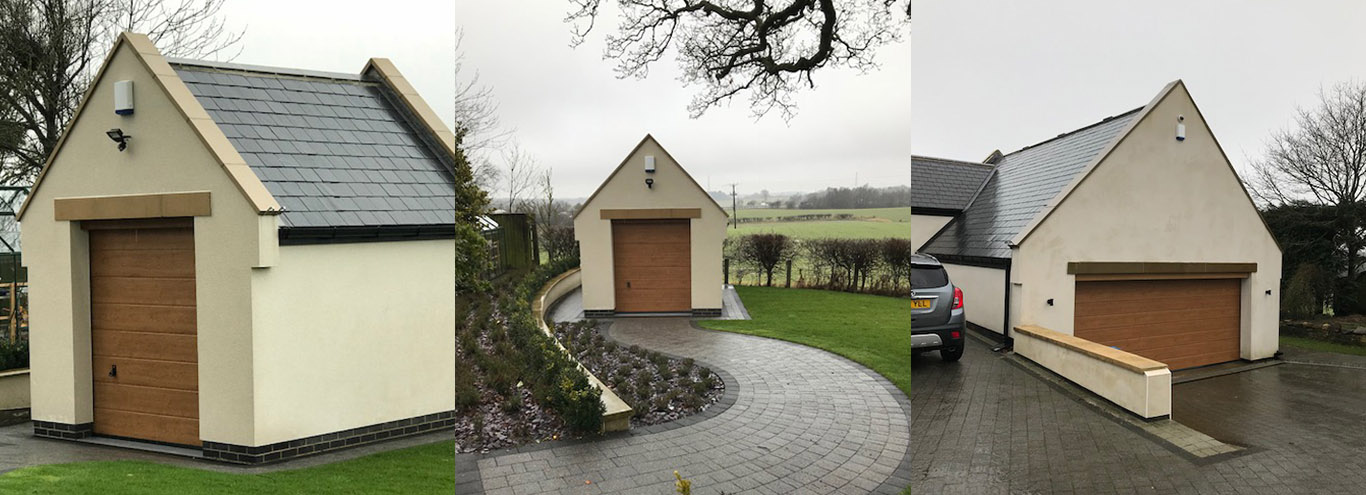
{"points": [[920, 303]]}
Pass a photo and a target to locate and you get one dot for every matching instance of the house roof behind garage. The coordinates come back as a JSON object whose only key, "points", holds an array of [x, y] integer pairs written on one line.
{"points": [[942, 185], [1021, 187], [336, 150]]}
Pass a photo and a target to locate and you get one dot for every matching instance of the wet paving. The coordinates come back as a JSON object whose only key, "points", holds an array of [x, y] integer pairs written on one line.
{"points": [[985, 425]]}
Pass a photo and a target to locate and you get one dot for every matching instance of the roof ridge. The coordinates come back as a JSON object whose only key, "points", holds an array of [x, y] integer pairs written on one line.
{"points": [[953, 160], [265, 69], [1077, 130]]}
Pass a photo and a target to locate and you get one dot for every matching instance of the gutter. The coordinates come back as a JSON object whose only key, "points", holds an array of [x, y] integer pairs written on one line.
{"points": [[294, 236]]}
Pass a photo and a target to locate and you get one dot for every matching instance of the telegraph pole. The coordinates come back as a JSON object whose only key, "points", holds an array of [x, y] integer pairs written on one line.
{"points": [[734, 219]]}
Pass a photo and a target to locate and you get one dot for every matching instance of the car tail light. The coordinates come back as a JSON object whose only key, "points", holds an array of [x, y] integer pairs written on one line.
{"points": [[955, 335], [957, 298]]}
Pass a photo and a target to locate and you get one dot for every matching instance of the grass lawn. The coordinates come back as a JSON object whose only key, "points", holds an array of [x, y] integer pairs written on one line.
{"points": [[873, 330], [849, 229], [1321, 346], [902, 214], [421, 469]]}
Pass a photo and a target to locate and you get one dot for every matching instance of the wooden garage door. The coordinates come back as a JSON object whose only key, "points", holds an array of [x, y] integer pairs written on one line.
{"points": [[142, 330], [1183, 323], [652, 263]]}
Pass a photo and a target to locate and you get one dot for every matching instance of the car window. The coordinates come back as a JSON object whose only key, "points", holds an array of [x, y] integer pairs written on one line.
{"points": [[926, 276]]}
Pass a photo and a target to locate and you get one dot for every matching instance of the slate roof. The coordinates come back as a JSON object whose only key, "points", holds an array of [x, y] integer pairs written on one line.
{"points": [[1021, 187], [942, 184], [334, 149]]}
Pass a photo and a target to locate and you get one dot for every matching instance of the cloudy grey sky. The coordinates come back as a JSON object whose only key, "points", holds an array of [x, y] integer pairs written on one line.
{"points": [[418, 35], [1005, 74], [573, 114]]}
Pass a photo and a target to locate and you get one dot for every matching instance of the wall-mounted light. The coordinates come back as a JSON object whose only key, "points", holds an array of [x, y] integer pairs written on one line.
{"points": [[1050, 301], [118, 136], [1180, 127], [650, 183]]}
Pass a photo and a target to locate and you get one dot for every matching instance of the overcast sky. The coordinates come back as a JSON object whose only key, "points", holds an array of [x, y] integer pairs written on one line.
{"points": [[1005, 74], [417, 35], [573, 114]]}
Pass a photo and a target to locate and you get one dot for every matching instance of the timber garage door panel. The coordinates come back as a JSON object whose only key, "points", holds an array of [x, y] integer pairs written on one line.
{"points": [[142, 334], [1183, 323], [652, 265]]}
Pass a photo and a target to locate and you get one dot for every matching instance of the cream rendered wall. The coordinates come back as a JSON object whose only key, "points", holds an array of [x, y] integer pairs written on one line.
{"points": [[984, 296], [350, 335], [164, 156], [923, 227], [672, 189], [1155, 199]]}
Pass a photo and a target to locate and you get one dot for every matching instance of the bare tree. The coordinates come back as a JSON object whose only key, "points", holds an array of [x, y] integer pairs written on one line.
{"points": [[766, 51], [765, 251], [1322, 159], [546, 211], [476, 112], [520, 177], [49, 51]]}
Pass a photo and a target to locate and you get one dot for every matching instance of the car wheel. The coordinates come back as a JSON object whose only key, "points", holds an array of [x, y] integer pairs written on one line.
{"points": [[951, 354]]}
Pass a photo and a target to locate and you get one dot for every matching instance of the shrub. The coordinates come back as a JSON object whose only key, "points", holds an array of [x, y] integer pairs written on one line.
{"points": [[580, 404], [13, 354], [512, 403], [466, 391], [661, 403], [765, 252]]}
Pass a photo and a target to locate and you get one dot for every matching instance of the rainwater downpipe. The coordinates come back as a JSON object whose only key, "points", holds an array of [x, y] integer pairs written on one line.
{"points": [[1009, 344]]}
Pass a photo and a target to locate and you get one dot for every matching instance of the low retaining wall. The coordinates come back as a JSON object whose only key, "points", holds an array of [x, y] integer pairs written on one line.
{"points": [[1331, 331], [14, 391], [1138, 384], [617, 416]]}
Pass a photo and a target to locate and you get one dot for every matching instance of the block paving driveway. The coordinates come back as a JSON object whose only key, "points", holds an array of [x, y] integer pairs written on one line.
{"points": [[985, 425], [802, 421]]}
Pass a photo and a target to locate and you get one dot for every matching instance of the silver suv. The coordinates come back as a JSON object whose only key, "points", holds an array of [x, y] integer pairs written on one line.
{"points": [[937, 317]]}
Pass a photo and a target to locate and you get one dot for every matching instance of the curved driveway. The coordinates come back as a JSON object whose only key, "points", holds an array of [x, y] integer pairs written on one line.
{"points": [[802, 421]]}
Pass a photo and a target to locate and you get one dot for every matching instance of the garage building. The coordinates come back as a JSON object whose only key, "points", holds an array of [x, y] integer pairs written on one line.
{"points": [[650, 240], [1133, 234], [259, 268]]}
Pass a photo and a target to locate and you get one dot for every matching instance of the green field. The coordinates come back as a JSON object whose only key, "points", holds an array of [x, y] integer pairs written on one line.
{"points": [[850, 229], [902, 214], [873, 223], [422, 469]]}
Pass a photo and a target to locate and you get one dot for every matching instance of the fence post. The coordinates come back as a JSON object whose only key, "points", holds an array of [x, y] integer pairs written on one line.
{"points": [[788, 284], [725, 267]]}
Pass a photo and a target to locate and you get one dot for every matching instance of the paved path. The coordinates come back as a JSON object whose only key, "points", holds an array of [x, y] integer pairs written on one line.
{"points": [[985, 425], [803, 421]]}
